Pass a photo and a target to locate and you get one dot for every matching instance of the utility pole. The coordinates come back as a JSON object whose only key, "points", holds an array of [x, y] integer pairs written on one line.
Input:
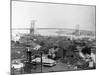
{"points": [[29, 55], [41, 61], [28, 64]]}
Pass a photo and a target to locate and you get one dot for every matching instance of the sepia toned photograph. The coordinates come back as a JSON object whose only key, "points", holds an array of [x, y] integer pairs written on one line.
{"points": [[52, 37]]}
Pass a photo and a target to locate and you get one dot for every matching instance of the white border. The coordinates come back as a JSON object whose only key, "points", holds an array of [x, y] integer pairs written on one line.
{"points": [[5, 36]]}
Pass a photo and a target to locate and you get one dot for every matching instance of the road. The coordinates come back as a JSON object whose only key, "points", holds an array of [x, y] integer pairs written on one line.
{"points": [[58, 67]]}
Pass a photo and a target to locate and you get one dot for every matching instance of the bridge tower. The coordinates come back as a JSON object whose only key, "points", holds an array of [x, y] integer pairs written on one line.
{"points": [[77, 31], [32, 28]]}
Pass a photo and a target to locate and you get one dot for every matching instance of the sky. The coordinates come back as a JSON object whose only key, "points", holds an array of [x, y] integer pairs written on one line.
{"points": [[48, 15]]}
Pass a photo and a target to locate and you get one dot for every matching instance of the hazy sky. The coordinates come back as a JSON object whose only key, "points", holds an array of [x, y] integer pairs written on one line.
{"points": [[52, 15]]}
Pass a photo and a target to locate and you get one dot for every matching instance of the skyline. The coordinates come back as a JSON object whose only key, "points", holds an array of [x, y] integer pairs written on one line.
{"points": [[52, 15]]}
